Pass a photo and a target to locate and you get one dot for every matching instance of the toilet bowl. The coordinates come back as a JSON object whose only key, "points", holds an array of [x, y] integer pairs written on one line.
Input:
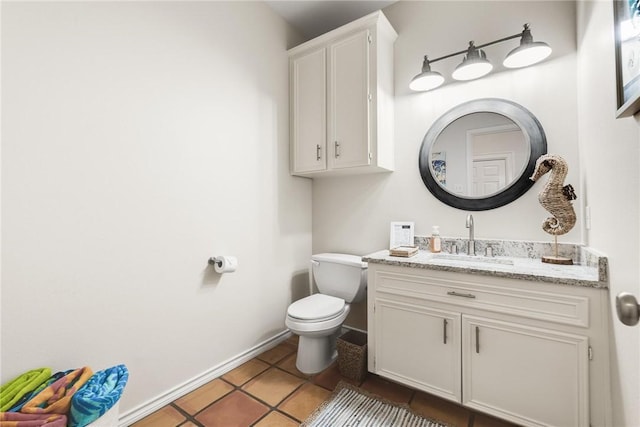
{"points": [[318, 318]]}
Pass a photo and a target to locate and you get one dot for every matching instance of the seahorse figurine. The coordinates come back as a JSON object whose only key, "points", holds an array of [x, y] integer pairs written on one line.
{"points": [[555, 197]]}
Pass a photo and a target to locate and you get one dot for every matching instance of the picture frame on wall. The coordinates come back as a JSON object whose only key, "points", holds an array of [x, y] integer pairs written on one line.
{"points": [[439, 165], [626, 19]]}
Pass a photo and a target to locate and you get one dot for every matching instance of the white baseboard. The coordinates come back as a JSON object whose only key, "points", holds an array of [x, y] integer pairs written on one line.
{"points": [[188, 386]]}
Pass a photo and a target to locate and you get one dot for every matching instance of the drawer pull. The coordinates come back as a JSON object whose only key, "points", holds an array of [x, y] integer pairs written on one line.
{"points": [[477, 340], [445, 330], [458, 294]]}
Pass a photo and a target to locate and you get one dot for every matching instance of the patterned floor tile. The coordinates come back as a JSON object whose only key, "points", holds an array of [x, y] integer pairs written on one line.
{"points": [[273, 386], [276, 419], [234, 410], [289, 364], [278, 352], [245, 372], [165, 417], [204, 396], [330, 377], [304, 401]]}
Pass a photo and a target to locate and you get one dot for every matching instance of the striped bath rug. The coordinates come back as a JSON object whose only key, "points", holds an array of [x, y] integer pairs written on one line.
{"points": [[350, 406]]}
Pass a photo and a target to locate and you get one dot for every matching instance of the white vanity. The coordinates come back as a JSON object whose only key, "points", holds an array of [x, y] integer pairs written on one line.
{"points": [[511, 337]]}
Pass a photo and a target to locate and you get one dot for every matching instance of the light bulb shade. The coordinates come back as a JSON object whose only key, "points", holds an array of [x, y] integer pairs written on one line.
{"points": [[472, 68], [426, 81], [527, 54]]}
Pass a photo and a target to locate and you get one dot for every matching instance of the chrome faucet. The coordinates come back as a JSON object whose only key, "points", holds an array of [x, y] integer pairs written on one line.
{"points": [[471, 244]]}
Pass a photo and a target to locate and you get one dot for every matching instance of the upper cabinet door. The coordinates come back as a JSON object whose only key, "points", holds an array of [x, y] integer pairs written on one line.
{"points": [[349, 102], [308, 110]]}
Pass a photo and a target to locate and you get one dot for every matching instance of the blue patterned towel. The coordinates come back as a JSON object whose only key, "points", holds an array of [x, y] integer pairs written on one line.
{"points": [[97, 396]]}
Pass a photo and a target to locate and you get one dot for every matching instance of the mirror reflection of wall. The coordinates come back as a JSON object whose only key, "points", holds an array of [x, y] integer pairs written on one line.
{"points": [[479, 154]]}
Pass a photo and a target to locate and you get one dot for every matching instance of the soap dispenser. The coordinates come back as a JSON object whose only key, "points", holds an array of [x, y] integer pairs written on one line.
{"points": [[435, 244]]}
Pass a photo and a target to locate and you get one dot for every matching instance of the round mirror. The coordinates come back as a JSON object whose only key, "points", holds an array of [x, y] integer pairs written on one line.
{"points": [[480, 154]]}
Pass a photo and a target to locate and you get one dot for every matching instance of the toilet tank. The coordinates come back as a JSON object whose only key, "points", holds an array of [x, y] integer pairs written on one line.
{"points": [[340, 275]]}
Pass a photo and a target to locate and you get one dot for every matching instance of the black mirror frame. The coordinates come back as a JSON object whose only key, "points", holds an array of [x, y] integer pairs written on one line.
{"points": [[522, 117]]}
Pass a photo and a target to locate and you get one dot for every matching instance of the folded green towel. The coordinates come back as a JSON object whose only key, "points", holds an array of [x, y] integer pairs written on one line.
{"points": [[12, 391], [27, 397]]}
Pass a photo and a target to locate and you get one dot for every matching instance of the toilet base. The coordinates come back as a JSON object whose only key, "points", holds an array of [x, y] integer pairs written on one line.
{"points": [[315, 354]]}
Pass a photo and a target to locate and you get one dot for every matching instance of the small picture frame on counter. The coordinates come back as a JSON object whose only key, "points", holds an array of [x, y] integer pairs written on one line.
{"points": [[401, 234]]}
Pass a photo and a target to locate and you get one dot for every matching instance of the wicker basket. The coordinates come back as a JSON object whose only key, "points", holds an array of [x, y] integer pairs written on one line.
{"points": [[352, 355]]}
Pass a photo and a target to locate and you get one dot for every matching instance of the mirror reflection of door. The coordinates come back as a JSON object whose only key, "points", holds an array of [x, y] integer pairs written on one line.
{"points": [[493, 154], [488, 176]]}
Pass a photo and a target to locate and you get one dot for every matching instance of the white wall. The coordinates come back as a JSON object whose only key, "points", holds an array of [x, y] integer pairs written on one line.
{"points": [[352, 214], [610, 161], [344, 207], [138, 140]]}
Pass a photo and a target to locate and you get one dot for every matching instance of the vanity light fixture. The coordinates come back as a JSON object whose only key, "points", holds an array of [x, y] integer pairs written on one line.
{"points": [[475, 63]]}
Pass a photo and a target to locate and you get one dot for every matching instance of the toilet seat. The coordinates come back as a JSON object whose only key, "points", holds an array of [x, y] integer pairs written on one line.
{"points": [[316, 308], [315, 327]]}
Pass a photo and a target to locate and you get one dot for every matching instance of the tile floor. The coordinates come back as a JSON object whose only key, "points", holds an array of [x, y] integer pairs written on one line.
{"points": [[268, 391]]}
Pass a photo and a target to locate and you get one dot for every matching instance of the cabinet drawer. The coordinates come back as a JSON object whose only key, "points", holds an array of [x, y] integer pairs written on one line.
{"points": [[496, 297]]}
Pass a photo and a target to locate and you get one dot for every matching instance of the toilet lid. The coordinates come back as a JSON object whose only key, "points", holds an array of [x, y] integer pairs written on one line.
{"points": [[316, 307]]}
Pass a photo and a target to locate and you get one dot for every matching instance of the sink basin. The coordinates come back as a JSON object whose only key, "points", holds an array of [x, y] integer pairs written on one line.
{"points": [[469, 258]]}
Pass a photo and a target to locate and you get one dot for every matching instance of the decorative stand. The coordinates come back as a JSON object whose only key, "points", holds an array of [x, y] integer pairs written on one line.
{"points": [[555, 258], [556, 199]]}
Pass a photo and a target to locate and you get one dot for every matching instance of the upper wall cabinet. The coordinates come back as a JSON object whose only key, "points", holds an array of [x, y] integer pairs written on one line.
{"points": [[341, 100]]}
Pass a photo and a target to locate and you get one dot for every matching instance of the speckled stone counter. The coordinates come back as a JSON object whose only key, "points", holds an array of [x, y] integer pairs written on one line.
{"points": [[592, 275]]}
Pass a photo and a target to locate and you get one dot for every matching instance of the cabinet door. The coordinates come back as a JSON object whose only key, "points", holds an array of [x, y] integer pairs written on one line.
{"points": [[349, 102], [527, 375], [419, 347], [308, 111]]}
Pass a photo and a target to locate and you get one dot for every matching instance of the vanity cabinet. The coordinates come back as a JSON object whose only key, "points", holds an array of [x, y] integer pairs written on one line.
{"points": [[341, 100], [518, 350]]}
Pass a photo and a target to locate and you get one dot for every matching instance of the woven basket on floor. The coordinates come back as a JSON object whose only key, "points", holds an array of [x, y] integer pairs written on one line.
{"points": [[352, 355]]}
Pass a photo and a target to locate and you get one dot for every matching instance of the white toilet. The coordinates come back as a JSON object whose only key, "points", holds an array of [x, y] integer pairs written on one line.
{"points": [[317, 319]]}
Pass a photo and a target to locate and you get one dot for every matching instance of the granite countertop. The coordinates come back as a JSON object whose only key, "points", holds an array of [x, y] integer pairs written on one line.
{"points": [[500, 266]]}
